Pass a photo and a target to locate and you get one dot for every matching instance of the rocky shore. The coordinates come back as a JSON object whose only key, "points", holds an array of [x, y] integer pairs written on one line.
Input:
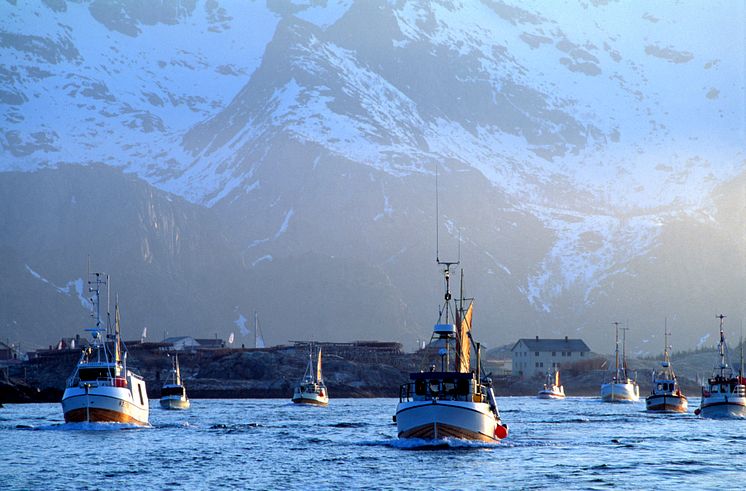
{"points": [[272, 373]]}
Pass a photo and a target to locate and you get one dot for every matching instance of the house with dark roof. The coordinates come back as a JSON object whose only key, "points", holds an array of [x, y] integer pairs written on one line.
{"points": [[537, 356]]}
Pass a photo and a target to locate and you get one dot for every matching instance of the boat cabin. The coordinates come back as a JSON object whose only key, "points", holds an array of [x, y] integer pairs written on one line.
{"points": [[666, 386], [173, 390], [455, 386], [96, 373], [722, 385]]}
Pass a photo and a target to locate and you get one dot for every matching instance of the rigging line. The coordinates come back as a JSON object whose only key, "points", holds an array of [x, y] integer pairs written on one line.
{"points": [[437, 219]]}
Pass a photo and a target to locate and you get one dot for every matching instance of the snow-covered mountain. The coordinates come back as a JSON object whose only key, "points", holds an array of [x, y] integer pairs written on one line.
{"points": [[578, 145]]}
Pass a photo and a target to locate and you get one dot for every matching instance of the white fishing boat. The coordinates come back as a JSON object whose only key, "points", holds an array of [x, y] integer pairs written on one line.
{"points": [[552, 387], [311, 390], [173, 393], [724, 395], [102, 388], [621, 387], [455, 401], [666, 395]]}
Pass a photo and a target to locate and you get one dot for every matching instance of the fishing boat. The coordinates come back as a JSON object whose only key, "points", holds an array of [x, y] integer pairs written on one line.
{"points": [[454, 401], [173, 393], [666, 396], [621, 387], [724, 395], [552, 387], [102, 388], [311, 390]]}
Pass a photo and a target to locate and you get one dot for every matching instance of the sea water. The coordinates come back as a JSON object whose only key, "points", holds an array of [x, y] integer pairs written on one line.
{"points": [[576, 443]]}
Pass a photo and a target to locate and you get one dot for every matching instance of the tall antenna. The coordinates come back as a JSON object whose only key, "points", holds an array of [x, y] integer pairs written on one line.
{"points": [[447, 264]]}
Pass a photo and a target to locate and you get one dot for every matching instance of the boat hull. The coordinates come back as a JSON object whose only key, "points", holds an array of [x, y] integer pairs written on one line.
{"points": [[546, 394], [174, 403], [620, 392], [666, 403], [103, 405], [729, 407], [311, 398], [446, 419]]}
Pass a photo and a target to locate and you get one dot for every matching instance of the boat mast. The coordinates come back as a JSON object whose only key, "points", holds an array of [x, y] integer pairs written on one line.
{"points": [[740, 366], [616, 350], [624, 353], [94, 286], [721, 346], [665, 338]]}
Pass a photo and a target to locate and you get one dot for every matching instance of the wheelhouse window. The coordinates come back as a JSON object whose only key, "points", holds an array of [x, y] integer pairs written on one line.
{"points": [[172, 391], [95, 373]]}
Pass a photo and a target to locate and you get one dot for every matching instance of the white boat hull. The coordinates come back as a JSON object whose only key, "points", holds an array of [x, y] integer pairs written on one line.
{"points": [[175, 402], [613, 392], [105, 404], [666, 403], [723, 407], [446, 419], [312, 398], [548, 394]]}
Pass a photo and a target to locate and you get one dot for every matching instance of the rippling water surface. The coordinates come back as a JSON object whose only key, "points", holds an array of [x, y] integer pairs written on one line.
{"points": [[273, 444]]}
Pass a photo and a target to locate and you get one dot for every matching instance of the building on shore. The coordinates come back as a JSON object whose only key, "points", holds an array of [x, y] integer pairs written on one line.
{"points": [[363, 351], [537, 356]]}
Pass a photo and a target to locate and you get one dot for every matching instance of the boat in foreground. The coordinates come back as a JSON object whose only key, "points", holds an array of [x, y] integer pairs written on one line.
{"points": [[173, 393], [311, 390], [552, 387], [666, 395], [102, 388], [455, 401], [621, 388], [724, 396]]}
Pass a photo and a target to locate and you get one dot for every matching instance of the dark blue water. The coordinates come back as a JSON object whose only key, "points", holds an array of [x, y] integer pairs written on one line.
{"points": [[578, 443]]}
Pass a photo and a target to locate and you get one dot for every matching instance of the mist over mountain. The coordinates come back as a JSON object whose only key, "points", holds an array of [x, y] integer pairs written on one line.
{"points": [[219, 157]]}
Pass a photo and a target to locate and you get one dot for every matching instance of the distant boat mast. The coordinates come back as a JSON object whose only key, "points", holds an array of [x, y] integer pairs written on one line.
{"points": [[258, 339]]}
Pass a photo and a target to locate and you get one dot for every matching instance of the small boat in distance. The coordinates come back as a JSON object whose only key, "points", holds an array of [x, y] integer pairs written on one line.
{"points": [[552, 387], [455, 401], [173, 393], [666, 396], [311, 390], [724, 395], [102, 388], [621, 388]]}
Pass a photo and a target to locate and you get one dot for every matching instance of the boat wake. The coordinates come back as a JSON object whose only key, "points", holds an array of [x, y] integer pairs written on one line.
{"points": [[439, 444], [87, 426], [235, 428], [348, 425]]}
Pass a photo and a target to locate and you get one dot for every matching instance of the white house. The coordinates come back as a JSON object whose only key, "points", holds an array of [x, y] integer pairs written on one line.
{"points": [[537, 356]]}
